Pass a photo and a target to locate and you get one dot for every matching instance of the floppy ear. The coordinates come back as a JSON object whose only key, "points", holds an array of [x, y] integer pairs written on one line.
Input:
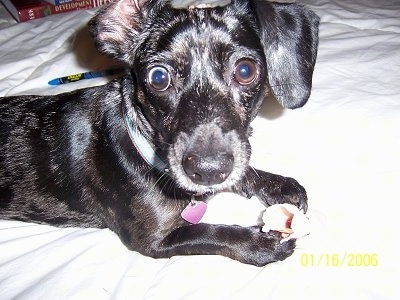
{"points": [[289, 34], [115, 28]]}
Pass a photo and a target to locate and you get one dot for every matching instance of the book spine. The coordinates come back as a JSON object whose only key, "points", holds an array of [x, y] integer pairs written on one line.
{"points": [[27, 14], [58, 2], [78, 4], [95, 3], [43, 10], [71, 6]]}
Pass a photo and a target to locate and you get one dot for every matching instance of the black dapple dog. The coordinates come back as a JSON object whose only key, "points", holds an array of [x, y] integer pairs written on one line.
{"points": [[130, 155]]}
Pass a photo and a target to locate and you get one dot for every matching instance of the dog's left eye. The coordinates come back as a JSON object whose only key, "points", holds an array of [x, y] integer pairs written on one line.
{"points": [[159, 79], [245, 71]]}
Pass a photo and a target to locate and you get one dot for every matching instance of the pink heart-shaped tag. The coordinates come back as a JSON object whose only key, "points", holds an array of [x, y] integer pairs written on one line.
{"points": [[194, 211]]}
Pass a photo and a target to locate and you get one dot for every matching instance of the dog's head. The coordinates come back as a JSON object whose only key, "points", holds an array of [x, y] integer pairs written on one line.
{"points": [[201, 75]]}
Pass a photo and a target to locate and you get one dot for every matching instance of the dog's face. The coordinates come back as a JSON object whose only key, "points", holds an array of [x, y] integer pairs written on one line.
{"points": [[201, 72], [201, 75]]}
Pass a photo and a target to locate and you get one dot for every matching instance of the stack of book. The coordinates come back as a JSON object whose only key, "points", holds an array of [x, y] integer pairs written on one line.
{"points": [[25, 10]]}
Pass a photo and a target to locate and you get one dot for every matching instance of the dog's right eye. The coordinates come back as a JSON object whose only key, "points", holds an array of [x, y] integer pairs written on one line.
{"points": [[246, 71], [159, 79]]}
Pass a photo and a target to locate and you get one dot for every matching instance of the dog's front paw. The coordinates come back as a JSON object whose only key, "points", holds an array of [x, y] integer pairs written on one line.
{"points": [[270, 248], [288, 190], [276, 189]]}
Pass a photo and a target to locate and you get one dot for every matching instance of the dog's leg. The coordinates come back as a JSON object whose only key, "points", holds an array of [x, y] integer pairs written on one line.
{"points": [[246, 244], [273, 189]]}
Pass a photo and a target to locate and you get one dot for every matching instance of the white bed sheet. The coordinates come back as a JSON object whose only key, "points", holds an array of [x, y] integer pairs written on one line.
{"points": [[343, 146]]}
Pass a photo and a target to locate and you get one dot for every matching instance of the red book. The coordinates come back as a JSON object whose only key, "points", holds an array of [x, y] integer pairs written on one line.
{"points": [[25, 10]]}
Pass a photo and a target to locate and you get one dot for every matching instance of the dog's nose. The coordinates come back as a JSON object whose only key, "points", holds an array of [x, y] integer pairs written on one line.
{"points": [[208, 170]]}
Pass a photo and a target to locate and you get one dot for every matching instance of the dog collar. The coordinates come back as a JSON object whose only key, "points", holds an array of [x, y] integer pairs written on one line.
{"points": [[144, 147]]}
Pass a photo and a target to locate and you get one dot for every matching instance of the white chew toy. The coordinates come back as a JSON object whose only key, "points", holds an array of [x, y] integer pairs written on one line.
{"points": [[287, 219], [231, 209]]}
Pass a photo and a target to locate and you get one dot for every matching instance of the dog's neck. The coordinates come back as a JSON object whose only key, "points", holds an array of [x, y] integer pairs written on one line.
{"points": [[145, 147]]}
